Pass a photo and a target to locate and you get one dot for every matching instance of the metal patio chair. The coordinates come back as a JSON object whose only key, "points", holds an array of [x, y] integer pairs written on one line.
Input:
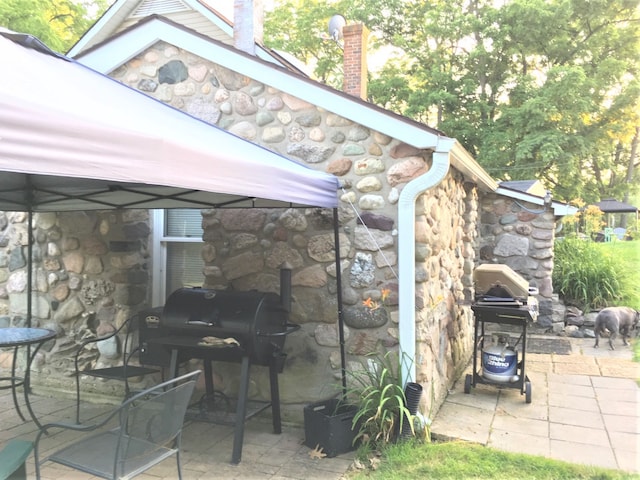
{"points": [[122, 372], [148, 430]]}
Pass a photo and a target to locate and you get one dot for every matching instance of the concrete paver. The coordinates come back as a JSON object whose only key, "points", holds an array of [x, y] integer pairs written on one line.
{"points": [[585, 409], [206, 451]]}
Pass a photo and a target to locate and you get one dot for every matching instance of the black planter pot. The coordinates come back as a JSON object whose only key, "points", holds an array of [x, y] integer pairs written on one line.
{"points": [[328, 425]]}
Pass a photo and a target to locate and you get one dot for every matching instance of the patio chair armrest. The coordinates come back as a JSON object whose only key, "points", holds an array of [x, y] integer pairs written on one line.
{"points": [[87, 341], [79, 427], [99, 338]]}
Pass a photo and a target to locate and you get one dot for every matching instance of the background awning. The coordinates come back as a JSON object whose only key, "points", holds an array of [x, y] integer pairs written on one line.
{"points": [[611, 205]]}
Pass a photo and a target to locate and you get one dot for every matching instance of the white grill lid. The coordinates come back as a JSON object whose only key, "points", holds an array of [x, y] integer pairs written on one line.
{"points": [[490, 275]]}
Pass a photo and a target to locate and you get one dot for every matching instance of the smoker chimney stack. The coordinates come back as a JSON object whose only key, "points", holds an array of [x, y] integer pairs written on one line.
{"points": [[248, 25], [355, 60]]}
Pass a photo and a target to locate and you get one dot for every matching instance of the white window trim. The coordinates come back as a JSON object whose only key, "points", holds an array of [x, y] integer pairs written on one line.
{"points": [[159, 256]]}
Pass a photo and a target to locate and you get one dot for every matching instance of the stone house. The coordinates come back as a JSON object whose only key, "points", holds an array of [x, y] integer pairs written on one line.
{"points": [[417, 213]]}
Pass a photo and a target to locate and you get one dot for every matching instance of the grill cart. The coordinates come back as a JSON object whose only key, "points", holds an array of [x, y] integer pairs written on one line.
{"points": [[244, 327], [502, 297]]}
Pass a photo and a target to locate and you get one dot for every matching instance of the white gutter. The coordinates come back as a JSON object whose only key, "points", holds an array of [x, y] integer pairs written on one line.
{"points": [[407, 253]]}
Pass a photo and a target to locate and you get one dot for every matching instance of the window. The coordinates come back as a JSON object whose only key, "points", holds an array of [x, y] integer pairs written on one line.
{"points": [[177, 247]]}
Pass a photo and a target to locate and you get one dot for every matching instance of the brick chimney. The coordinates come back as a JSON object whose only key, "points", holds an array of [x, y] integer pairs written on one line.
{"points": [[355, 60], [248, 28]]}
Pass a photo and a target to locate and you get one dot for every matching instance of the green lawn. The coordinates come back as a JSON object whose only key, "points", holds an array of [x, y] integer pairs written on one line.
{"points": [[460, 460], [630, 253]]}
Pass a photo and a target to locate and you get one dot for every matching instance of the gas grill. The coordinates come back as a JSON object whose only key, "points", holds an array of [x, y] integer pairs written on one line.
{"points": [[502, 297], [245, 327]]}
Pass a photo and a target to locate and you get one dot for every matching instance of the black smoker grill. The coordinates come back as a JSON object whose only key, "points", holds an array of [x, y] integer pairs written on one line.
{"points": [[502, 297], [257, 321]]}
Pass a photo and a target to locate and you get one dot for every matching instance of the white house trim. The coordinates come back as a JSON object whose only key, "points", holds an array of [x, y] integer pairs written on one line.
{"points": [[122, 10], [559, 209]]}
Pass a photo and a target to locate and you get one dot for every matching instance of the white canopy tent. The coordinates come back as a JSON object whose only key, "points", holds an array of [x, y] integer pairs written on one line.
{"points": [[74, 139]]}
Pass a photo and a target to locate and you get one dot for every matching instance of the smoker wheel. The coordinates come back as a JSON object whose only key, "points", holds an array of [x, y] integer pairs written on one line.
{"points": [[527, 392], [467, 384]]}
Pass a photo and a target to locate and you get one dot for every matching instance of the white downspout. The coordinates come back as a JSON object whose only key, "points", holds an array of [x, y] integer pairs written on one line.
{"points": [[407, 254]]}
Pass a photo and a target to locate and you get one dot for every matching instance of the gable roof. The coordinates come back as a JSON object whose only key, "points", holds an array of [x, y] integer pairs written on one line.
{"points": [[126, 44], [534, 187], [197, 15]]}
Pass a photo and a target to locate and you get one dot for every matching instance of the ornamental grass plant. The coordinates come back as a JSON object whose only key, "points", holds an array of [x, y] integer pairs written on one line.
{"points": [[378, 394], [592, 276]]}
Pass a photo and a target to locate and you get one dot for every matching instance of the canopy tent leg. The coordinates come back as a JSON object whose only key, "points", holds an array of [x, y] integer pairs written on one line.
{"points": [[343, 358], [29, 266]]}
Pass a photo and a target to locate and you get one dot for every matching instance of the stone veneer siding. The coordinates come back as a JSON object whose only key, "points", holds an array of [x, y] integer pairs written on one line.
{"points": [[521, 235], [90, 274], [244, 248]]}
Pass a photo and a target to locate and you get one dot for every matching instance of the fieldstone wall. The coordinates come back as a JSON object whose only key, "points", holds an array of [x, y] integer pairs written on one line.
{"points": [[244, 248], [90, 274], [521, 235], [303, 239]]}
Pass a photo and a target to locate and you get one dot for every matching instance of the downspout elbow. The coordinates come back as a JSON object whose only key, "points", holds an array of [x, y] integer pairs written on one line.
{"points": [[406, 258]]}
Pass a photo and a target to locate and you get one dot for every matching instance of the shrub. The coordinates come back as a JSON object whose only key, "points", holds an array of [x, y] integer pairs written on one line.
{"points": [[586, 277]]}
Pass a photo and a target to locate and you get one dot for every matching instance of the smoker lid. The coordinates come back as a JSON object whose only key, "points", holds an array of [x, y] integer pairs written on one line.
{"points": [[490, 276]]}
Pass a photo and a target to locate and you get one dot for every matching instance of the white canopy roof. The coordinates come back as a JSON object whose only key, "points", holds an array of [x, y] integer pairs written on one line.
{"points": [[74, 139]]}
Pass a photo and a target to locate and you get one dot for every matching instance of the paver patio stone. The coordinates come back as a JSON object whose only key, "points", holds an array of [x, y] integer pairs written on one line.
{"points": [[592, 418], [510, 441], [572, 433], [584, 454]]}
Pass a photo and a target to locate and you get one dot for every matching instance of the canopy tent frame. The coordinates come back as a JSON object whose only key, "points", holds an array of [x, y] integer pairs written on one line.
{"points": [[84, 161]]}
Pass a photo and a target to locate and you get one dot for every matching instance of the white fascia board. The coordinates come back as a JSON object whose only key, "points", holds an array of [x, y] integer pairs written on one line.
{"points": [[563, 209], [516, 195], [119, 50], [100, 25], [122, 48], [559, 209], [463, 161]]}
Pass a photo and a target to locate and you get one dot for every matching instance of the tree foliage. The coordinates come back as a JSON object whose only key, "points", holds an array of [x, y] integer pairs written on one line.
{"points": [[57, 23], [544, 89]]}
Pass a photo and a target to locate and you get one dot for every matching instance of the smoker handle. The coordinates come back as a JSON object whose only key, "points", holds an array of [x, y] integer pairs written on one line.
{"points": [[291, 327]]}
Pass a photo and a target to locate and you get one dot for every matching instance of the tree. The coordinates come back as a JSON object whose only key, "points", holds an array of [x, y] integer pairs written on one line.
{"points": [[299, 27], [542, 89], [57, 23]]}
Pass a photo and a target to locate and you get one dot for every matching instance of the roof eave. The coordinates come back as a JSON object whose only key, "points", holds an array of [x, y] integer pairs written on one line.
{"points": [[463, 161], [560, 209]]}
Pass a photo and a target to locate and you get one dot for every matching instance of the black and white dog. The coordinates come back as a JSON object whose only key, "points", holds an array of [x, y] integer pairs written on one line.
{"points": [[616, 320]]}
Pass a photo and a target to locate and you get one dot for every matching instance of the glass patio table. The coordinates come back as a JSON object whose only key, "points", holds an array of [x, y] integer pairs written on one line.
{"points": [[16, 338]]}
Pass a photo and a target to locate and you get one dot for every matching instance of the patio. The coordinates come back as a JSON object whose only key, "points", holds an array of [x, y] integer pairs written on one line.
{"points": [[585, 410], [206, 451]]}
